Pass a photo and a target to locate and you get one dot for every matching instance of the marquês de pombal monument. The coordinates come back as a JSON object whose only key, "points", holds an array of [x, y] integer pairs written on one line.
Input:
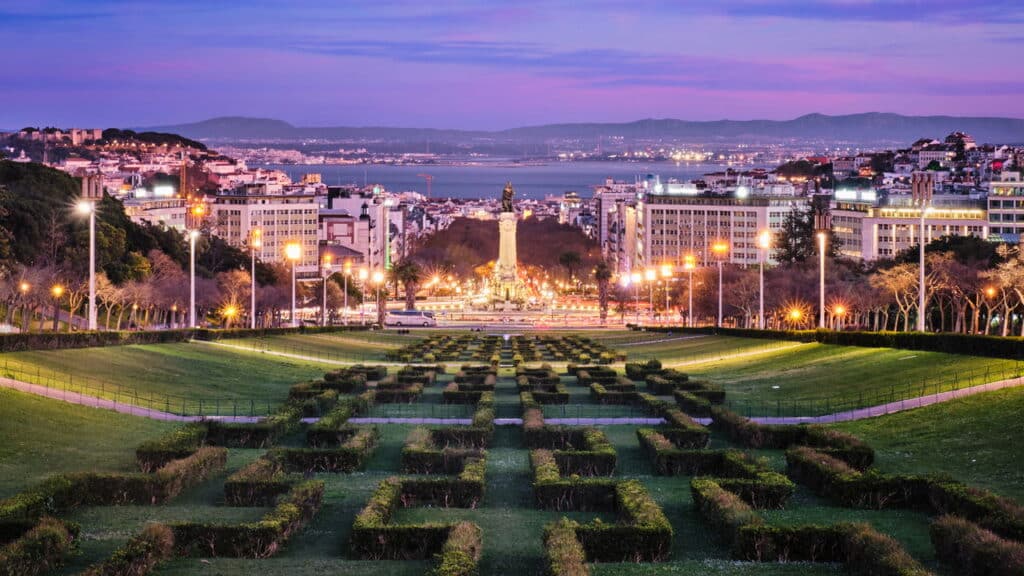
{"points": [[505, 286]]}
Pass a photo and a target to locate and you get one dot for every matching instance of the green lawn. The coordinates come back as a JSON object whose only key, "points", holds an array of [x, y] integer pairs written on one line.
{"points": [[175, 377], [969, 439], [814, 379], [40, 437], [333, 347], [975, 439]]}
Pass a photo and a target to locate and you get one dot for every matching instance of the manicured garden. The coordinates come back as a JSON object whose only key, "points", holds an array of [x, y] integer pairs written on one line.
{"points": [[344, 495]]}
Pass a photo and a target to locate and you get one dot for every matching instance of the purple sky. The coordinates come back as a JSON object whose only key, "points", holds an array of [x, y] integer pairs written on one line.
{"points": [[489, 65]]}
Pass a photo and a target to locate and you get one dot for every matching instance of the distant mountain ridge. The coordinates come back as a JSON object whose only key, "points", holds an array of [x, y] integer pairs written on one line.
{"points": [[865, 127]]}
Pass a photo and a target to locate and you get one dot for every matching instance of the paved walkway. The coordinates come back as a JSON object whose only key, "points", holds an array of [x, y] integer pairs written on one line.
{"points": [[859, 414], [105, 404]]}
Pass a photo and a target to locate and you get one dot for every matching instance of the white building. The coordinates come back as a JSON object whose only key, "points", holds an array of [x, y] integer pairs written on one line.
{"points": [[1006, 207], [677, 226], [282, 219]]}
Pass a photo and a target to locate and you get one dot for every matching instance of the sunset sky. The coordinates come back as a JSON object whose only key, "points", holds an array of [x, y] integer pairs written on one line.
{"points": [[484, 65]]}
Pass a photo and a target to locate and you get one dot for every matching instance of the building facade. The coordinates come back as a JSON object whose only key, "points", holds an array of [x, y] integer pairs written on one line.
{"points": [[281, 219]]}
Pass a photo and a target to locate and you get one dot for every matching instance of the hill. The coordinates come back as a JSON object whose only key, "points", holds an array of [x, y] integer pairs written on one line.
{"points": [[866, 127]]}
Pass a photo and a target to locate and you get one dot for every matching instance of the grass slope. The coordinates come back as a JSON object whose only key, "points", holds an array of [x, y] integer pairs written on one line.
{"points": [[975, 439], [40, 437]]}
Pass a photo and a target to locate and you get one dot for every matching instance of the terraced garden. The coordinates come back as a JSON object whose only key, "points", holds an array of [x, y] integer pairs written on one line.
{"points": [[351, 494]]}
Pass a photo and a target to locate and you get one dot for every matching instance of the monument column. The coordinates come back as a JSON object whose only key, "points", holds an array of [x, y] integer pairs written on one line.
{"points": [[506, 279]]}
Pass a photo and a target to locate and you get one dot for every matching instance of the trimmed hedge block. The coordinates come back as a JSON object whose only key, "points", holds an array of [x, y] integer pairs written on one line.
{"points": [[140, 555], [43, 548], [350, 456], [975, 551]]}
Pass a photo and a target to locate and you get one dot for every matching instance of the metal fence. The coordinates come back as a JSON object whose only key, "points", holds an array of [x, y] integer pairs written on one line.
{"points": [[68, 386]]}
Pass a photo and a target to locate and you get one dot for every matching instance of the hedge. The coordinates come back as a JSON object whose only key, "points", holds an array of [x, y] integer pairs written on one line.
{"points": [[692, 404], [752, 480], [140, 555], [463, 491], [350, 456], [331, 430], [258, 483], [969, 344], [374, 538], [833, 478], [421, 454], [260, 434], [1004, 516], [563, 552], [639, 371], [43, 548], [975, 551], [723, 510], [103, 489], [260, 539], [603, 395], [460, 554], [178, 443], [748, 433]]}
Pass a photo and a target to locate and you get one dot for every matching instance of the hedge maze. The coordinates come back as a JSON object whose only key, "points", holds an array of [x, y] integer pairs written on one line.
{"points": [[509, 490]]}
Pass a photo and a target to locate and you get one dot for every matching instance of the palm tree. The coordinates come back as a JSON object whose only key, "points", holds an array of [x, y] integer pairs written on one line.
{"points": [[409, 273], [603, 275]]}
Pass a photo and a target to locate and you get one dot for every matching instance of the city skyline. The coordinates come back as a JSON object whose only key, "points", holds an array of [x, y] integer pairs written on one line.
{"points": [[470, 65]]}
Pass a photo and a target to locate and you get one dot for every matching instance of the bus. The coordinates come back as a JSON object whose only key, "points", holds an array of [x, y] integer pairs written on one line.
{"points": [[409, 318]]}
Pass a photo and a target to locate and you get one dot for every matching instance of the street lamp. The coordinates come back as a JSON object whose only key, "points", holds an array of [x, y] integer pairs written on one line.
{"points": [[720, 249], [666, 273], [57, 291], [378, 279], [689, 263], [838, 311], [363, 275], [764, 241], [192, 236], [230, 311], [89, 207], [636, 278], [323, 303], [650, 275], [347, 268], [821, 286], [293, 251], [255, 243]]}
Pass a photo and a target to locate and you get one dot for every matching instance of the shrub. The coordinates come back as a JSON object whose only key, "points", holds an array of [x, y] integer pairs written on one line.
{"points": [[869, 552], [259, 483], [692, 404], [178, 443], [255, 539], [42, 549], [255, 435], [461, 552], [331, 430], [562, 549], [373, 538], [138, 556], [348, 457], [835, 479], [805, 543], [723, 510], [975, 551], [1003, 516]]}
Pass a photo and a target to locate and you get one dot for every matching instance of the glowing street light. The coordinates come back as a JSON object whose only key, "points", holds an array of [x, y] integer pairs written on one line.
{"points": [[88, 207], [378, 280], [650, 275], [192, 236], [795, 315], [57, 291], [347, 269], [255, 243], [821, 287], [838, 311], [293, 251], [666, 273], [327, 274], [689, 263], [720, 249], [764, 242], [24, 287]]}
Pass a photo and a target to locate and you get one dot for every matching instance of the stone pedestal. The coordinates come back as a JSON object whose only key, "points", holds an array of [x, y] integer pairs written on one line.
{"points": [[505, 283]]}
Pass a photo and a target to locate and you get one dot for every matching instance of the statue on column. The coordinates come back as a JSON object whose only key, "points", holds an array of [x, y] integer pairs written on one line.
{"points": [[506, 198]]}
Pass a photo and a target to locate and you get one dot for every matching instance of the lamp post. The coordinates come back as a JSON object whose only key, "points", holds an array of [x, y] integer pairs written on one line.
{"points": [[666, 274], [838, 311], [689, 263], [347, 269], [89, 207], [192, 236], [363, 275], [636, 278], [821, 279], [764, 241], [651, 275], [57, 292], [922, 185], [720, 249], [323, 302], [378, 280], [293, 251], [255, 243]]}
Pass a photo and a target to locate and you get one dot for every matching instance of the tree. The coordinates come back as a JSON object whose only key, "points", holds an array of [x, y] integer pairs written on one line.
{"points": [[409, 273], [602, 275], [571, 261]]}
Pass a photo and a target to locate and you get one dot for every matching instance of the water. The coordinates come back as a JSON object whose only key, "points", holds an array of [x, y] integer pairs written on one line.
{"points": [[487, 180]]}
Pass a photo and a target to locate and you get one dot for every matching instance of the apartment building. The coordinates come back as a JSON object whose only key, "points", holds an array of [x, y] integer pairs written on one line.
{"points": [[1006, 207]]}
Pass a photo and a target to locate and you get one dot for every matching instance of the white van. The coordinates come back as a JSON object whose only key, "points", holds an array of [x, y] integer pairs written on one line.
{"points": [[409, 318]]}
